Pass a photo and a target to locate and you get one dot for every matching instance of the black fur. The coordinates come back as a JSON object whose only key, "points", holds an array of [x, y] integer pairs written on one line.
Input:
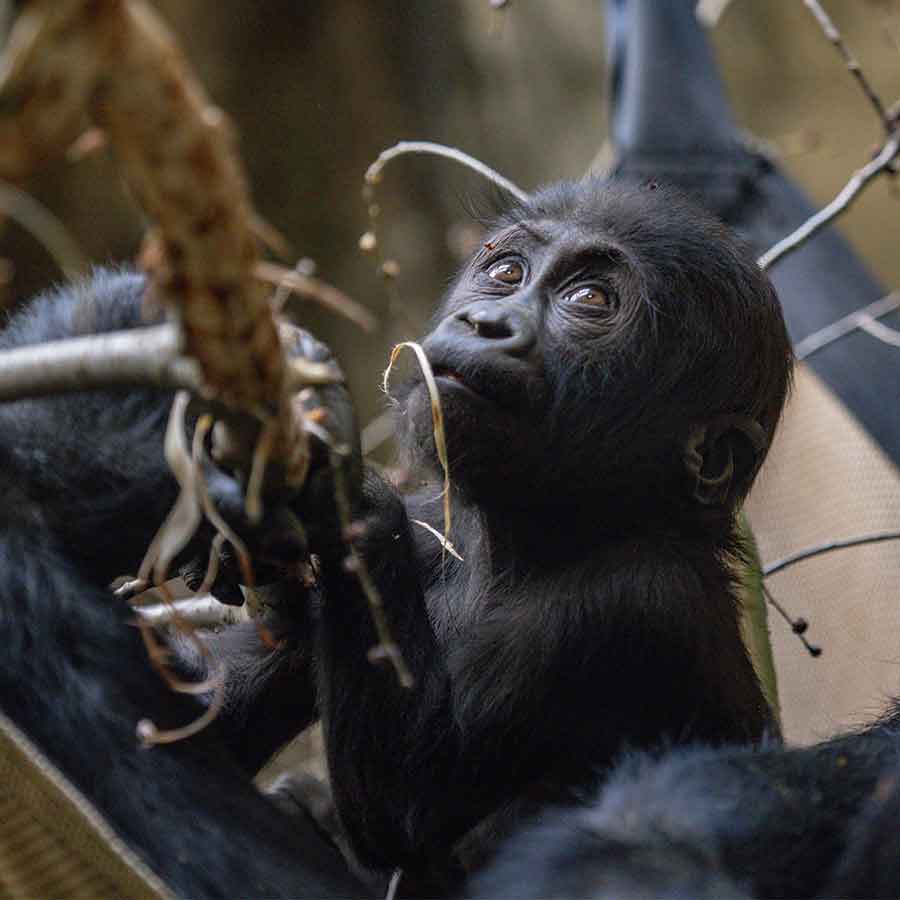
{"points": [[84, 487], [597, 455], [595, 607], [708, 823]]}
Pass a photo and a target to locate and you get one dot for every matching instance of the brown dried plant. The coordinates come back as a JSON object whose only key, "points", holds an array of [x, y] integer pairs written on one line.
{"points": [[112, 70]]}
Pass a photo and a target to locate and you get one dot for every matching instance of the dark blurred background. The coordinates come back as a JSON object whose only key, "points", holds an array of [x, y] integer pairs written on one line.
{"points": [[317, 88]]}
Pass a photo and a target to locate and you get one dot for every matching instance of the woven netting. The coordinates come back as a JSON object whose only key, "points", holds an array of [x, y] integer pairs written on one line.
{"points": [[825, 479]]}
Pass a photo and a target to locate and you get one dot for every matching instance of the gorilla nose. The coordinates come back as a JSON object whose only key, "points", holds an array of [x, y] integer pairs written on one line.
{"points": [[489, 326], [509, 329]]}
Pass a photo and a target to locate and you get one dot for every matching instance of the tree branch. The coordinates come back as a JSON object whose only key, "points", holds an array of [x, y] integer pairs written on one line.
{"points": [[149, 356], [828, 547], [884, 161], [373, 173], [44, 227], [142, 357], [816, 341], [849, 193], [831, 32]]}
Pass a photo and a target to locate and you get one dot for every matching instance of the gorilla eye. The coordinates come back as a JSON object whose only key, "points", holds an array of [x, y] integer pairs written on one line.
{"points": [[590, 294], [509, 271]]}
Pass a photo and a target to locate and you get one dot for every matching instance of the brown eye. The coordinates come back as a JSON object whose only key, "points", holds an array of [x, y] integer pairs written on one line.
{"points": [[508, 272], [590, 294]]}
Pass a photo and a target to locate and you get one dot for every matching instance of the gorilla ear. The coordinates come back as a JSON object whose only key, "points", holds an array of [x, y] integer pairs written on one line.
{"points": [[721, 457]]}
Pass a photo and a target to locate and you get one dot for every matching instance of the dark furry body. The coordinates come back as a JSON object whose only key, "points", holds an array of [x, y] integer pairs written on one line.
{"points": [[595, 609], [84, 486], [740, 822]]}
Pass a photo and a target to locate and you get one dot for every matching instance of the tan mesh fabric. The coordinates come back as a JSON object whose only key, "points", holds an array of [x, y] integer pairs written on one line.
{"points": [[826, 479], [52, 842]]}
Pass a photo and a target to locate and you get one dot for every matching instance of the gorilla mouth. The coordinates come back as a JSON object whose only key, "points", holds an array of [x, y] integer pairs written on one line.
{"points": [[480, 391], [451, 375], [458, 382]]}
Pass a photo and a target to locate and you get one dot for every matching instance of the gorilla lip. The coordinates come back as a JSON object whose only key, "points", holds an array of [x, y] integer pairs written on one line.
{"points": [[455, 378], [449, 373], [481, 392]]}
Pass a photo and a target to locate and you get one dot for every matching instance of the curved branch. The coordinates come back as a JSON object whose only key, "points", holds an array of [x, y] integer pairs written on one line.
{"points": [[819, 549], [822, 338], [373, 173], [851, 62], [841, 202], [44, 227], [881, 332]]}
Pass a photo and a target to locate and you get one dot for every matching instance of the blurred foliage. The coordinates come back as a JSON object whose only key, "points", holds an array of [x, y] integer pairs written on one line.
{"points": [[317, 88]]}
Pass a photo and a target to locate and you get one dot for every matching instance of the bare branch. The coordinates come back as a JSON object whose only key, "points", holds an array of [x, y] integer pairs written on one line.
{"points": [[831, 32], [445, 544], [883, 162], [201, 612], [814, 342], [141, 357], [308, 288], [798, 626], [828, 547], [840, 204], [148, 356], [881, 332], [44, 227], [377, 432], [387, 648], [373, 173]]}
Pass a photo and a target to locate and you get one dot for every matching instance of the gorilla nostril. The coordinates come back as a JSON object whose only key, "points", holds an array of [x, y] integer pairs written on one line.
{"points": [[487, 326]]}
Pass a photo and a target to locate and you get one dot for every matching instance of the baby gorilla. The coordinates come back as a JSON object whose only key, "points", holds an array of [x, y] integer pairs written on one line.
{"points": [[611, 365]]}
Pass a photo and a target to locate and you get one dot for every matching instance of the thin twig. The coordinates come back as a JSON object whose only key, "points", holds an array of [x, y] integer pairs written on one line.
{"points": [[377, 432], [373, 173], [149, 733], [841, 203], [834, 36], [213, 560], [819, 549], [184, 517], [201, 612], [387, 647], [816, 341], [308, 288], [881, 332], [437, 419], [444, 543], [44, 227], [798, 626], [369, 242], [883, 162], [158, 654], [213, 516]]}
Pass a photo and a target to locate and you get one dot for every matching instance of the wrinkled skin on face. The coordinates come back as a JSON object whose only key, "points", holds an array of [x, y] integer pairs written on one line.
{"points": [[588, 339]]}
